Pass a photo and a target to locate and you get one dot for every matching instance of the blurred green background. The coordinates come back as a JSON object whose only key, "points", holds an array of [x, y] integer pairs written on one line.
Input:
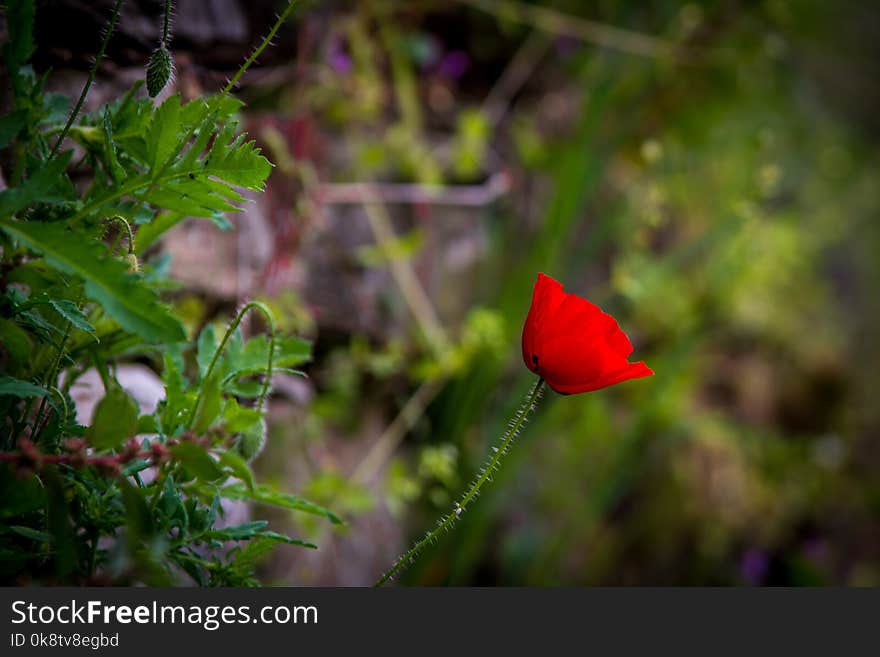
{"points": [[707, 172]]}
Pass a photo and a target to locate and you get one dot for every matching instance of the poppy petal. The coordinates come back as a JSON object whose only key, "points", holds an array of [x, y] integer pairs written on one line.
{"points": [[573, 344]]}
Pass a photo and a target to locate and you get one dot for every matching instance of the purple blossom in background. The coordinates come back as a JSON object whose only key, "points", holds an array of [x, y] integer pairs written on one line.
{"points": [[816, 550], [754, 565], [566, 45], [454, 64], [337, 56]]}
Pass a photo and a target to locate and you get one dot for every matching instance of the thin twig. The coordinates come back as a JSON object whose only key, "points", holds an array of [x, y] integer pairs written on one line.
{"points": [[414, 193], [259, 50], [394, 433], [555, 22], [412, 290], [82, 97], [515, 75]]}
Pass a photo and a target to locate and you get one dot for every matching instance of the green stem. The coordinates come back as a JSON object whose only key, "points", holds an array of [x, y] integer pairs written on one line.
{"points": [[82, 97], [118, 218], [266, 40], [270, 320], [447, 521], [51, 380]]}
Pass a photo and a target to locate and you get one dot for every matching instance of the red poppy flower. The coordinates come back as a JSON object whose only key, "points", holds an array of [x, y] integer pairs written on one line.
{"points": [[572, 344]]}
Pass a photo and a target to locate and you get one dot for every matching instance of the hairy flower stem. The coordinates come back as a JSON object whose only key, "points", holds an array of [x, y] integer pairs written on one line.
{"points": [[119, 219], [165, 21], [259, 49], [270, 320], [91, 77], [446, 522]]}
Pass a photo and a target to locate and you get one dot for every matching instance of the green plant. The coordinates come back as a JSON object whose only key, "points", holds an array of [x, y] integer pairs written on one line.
{"points": [[130, 496]]}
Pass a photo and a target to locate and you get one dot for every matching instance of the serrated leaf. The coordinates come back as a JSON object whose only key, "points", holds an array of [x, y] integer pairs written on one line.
{"points": [[243, 531], [189, 199], [209, 406], [123, 296], [240, 164], [282, 538], [163, 133], [36, 321], [171, 503], [72, 313], [238, 418], [197, 460], [21, 389], [114, 420], [252, 358], [266, 495], [116, 170]]}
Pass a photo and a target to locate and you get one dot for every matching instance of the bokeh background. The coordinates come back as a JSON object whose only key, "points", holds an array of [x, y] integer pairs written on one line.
{"points": [[707, 172]]}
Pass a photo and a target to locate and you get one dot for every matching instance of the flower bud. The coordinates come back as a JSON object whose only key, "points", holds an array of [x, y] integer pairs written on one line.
{"points": [[132, 260], [251, 441], [158, 70]]}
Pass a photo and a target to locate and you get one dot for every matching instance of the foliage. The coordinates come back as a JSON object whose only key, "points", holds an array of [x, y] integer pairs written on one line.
{"points": [[128, 496], [721, 203]]}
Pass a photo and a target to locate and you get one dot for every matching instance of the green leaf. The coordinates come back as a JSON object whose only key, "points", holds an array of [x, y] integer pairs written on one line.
{"points": [[45, 186], [108, 281], [163, 133], [239, 163], [207, 345], [210, 404], [72, 313], [197, 460], [19, 28], [171, 503], [175, 400], [255, 529], [114, 420], [290, 351], [15, 341], [27, 532], [59, 523], [182, 176], [147, 424], [238, 418], [10, 125], [149, 233], [237, 532], [21, 389], [266, 495], [116, 170], [281, 538], [19, 496], [238, 467], [138, 518]]}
